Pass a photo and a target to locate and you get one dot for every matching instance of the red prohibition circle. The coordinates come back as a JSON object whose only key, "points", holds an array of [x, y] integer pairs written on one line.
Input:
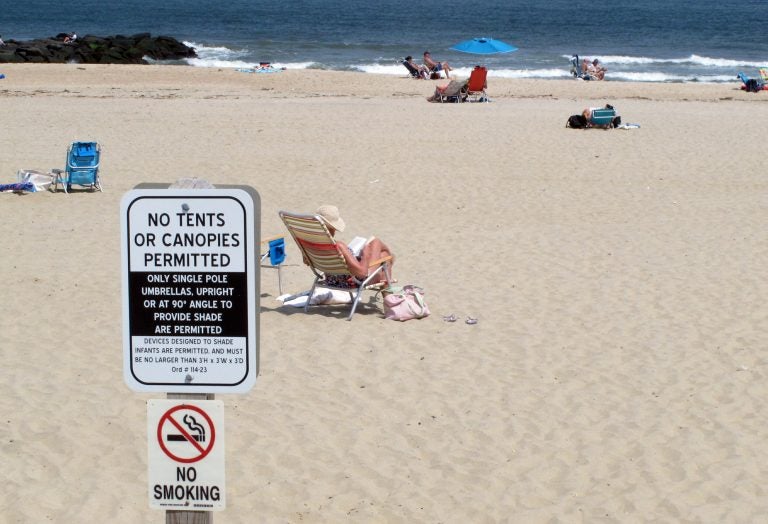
{"points": [[167, 417]]}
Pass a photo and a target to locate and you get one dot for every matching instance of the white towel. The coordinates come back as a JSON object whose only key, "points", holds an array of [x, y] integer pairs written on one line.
{"points": [[321, 295]]}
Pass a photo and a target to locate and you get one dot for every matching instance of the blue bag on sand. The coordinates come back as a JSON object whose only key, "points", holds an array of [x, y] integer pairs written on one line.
{"points": [[277, 251]]}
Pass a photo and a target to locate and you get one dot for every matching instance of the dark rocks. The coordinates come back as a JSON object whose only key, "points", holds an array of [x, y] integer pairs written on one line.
{"points": [[91, 49]]}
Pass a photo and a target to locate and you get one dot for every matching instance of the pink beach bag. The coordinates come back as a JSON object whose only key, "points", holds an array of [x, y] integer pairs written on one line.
{"points": [[405, 303]]}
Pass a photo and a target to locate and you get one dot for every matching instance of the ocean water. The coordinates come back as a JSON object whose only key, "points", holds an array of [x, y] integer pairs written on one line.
{"points": [[637, 40]]}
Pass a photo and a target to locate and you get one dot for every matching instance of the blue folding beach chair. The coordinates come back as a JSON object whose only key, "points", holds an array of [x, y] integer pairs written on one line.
{"points": [[82, 169]]}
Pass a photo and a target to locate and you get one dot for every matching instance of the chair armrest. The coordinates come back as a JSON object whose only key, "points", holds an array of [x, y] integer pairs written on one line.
{"points": [[380, 261]]}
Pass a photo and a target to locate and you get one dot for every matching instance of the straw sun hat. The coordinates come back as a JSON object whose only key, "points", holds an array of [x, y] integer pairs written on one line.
{"points": [[330, 214]]}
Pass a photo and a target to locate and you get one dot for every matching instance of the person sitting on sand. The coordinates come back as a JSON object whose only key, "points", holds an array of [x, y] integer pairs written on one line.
{"points": [[436, 67], [373, 250]]}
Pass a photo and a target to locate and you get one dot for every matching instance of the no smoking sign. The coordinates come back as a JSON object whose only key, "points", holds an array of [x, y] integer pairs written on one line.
{"points": [[186, 454], [186, 433]]}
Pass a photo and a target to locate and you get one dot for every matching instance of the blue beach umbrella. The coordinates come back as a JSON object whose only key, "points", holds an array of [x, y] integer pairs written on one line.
{"points": [[484, 46]]}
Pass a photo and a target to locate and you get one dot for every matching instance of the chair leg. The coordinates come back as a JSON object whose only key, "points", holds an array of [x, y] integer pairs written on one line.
{"points": [[387, 273], [311, 292], [355, 302]]}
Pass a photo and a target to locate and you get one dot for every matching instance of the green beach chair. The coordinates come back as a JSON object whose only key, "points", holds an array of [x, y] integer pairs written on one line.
{"points": [[604, 117]]}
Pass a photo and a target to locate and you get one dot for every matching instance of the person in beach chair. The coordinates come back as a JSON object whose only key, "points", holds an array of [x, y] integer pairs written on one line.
{"points": [[586, 69], [83, 159], [477, 83], [601, 117], [751, 85], [335, 264], [418, 72], [435, 67], [596, 70], [453, 91]]}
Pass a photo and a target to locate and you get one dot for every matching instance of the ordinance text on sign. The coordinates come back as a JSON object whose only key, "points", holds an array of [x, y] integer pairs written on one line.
{"points": [[189, 289]]}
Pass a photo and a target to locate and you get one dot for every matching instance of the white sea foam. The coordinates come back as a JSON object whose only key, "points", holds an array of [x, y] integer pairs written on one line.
{"points": [[216, 52], [212, 62], [294, 65], [693, 68], [225, 57], [692, 60], [464, 72], [653, 76], [529, 73], [383, 69]]}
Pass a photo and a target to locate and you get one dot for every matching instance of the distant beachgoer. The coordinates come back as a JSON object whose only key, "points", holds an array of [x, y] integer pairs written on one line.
{"points": [[70, 38], [597, 70], [1, 41], [436, 67], [593, 70], [421, 70]]}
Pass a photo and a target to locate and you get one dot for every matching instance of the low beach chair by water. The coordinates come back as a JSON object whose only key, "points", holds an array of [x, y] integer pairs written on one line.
{"points": [[323, 255], [414, 71], [578, 71], [83, 159]]}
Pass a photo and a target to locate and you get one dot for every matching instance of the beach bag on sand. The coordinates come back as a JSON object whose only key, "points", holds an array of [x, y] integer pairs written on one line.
{"points": [[576, 122], [405, 303]]}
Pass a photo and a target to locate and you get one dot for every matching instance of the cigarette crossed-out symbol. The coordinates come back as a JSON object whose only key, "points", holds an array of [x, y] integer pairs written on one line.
{"points": [[182, 437], [194, 427]]}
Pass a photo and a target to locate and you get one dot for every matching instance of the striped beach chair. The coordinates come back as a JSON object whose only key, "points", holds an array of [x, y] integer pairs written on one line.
{"points": [[323, 255]]}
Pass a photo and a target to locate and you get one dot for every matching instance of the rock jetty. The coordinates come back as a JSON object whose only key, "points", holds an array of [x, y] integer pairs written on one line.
{"points": [[91, 49]]}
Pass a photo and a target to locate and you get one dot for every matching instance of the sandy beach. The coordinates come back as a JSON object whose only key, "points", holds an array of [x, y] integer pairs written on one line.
{"points": [[619, 279]]}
